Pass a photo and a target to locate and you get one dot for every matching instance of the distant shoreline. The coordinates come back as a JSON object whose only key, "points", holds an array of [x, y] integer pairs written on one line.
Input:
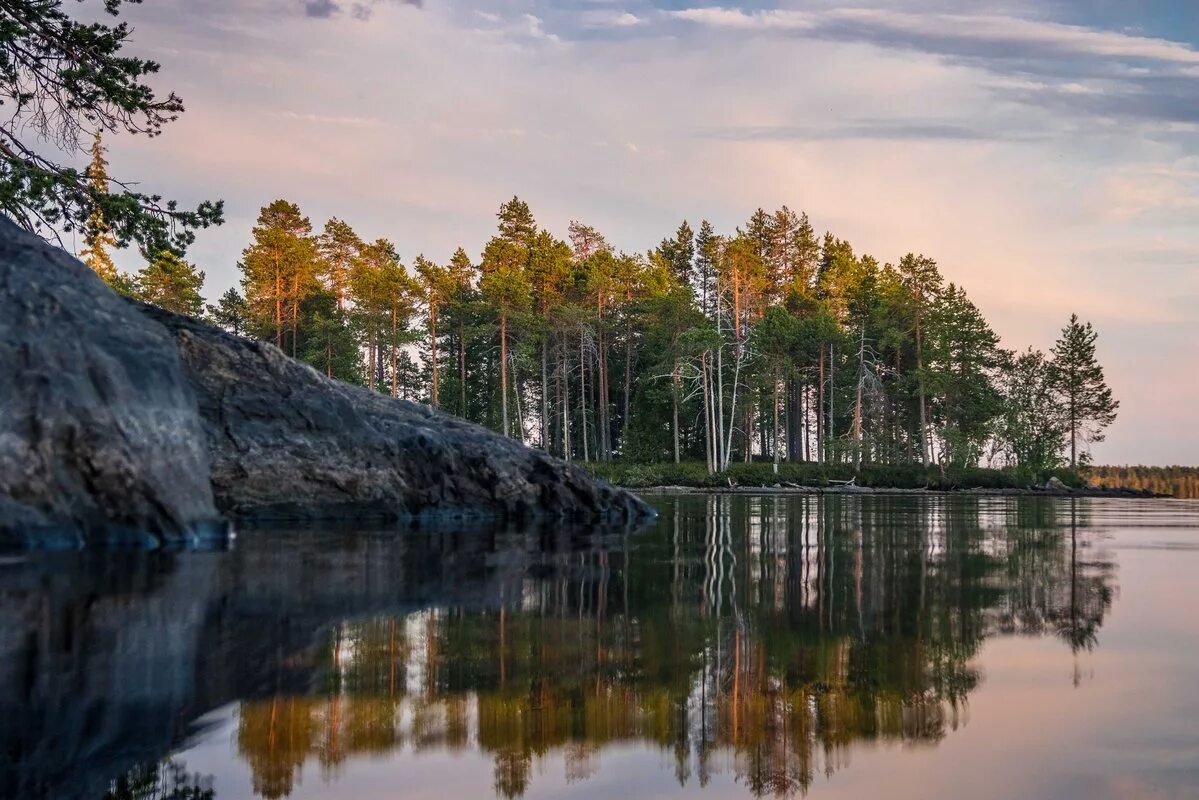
{"points": [[1088, 492]]}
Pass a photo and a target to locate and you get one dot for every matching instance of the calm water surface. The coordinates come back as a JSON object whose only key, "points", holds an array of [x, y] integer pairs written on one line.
{"points": [[739, 647]]}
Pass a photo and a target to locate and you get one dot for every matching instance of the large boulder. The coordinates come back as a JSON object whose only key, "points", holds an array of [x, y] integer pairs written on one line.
{"points": [[286, 442], [117, 417], [98, 424]]}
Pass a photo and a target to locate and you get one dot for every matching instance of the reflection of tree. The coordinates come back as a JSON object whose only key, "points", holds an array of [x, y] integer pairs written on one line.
{"points": [[275, 737], [778, 631], [166, 780]]}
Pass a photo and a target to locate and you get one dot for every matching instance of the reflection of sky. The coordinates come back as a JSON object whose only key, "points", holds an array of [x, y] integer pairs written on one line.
{"points": [[1125, 731], [1042, 151]]}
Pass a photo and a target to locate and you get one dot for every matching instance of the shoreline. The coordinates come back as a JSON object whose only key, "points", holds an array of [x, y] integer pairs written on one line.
{"points": [[878, 490]]}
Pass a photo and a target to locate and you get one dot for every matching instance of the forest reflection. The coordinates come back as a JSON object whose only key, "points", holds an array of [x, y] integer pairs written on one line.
{"points": [[762, 635]]}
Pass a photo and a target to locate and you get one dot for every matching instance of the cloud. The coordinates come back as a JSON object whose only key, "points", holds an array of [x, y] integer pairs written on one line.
{"points": [[324, 9], [736, 19], [525, 26], [865, 129], [609, 19], [1077, 70], [321, 9], [993, 37], [328, 119]]}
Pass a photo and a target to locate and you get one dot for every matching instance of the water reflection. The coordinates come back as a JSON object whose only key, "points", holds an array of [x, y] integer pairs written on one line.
{"points": [[759, 635]]}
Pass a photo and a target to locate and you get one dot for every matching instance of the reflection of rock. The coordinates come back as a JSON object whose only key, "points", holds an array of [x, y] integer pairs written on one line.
{"points": [[97, 424], [102, 427], [106, 659]]}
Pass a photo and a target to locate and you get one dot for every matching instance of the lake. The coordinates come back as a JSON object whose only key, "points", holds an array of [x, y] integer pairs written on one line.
{"points": [[740, 646]]}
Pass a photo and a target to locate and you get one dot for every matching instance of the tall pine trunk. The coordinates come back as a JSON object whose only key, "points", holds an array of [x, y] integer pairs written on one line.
{"points": [[674, 407], [628, 381], [278, 307], [462, 367], [566, 442], [504, 371], [857, 408], [924, 446], [433, 352], [583, 393], [545, 393], [775, 444], [295, 312], [820, 421], [395, 359]]}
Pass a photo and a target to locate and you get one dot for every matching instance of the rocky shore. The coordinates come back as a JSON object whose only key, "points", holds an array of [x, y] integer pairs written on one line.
{"points": [[120, 420]]}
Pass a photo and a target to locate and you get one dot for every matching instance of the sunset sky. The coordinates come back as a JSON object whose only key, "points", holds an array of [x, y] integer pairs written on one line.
{"points": [[1044, 153]]}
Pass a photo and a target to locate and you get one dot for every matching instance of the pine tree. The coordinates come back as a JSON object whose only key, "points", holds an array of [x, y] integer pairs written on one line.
{"points": [[922, 280], [1033, 427], [338, 246], [329, 341], [231, 313], [963, 363], [1080, 386], [706, 246], [679, 253], [437, 288], [807, 252], [170, 282], [279, 269], [516, 222], [459, 309], [98, 240]]}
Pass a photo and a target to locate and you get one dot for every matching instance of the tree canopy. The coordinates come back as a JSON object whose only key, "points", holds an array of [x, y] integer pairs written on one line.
{"points": [[65, 83]]}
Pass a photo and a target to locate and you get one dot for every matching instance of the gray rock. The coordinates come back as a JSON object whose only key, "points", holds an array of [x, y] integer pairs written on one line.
{"points": [[286, 442], [119, 420], [98, 427], [1054, 484]]}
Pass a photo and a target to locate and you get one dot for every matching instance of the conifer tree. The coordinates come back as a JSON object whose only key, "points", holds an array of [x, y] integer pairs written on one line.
{"points": [[679, 253], [1080, 386], [338, 246], [505, 286], [706, 244], [964, 360], [231, 312], [805, 254], [437, 288], [278, 269], [170, 282], [329, 343], [1033, 427], [461, 273], [922, 280], [98, 241], [516, 222]]}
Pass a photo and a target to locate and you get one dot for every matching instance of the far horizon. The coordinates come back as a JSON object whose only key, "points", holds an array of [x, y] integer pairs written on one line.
{"points": [[1039, 153]]}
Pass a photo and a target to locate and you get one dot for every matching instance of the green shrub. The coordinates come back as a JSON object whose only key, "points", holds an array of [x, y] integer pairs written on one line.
{"points": [[906, 476]]}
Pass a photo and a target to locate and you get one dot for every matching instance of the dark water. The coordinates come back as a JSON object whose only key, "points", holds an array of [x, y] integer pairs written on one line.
{"points": [[741, 646]]}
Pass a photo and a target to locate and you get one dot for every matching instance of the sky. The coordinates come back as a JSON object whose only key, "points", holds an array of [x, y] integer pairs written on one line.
{"points": [[1044, 152]]}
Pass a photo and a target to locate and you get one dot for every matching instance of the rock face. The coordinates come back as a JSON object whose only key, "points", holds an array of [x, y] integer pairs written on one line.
{"points": [[117, 415], [98, 426], [288, 443]]}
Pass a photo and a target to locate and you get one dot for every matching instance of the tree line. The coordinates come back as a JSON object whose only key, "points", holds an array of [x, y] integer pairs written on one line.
{"points": [[1181, 482], [764, 343]]}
